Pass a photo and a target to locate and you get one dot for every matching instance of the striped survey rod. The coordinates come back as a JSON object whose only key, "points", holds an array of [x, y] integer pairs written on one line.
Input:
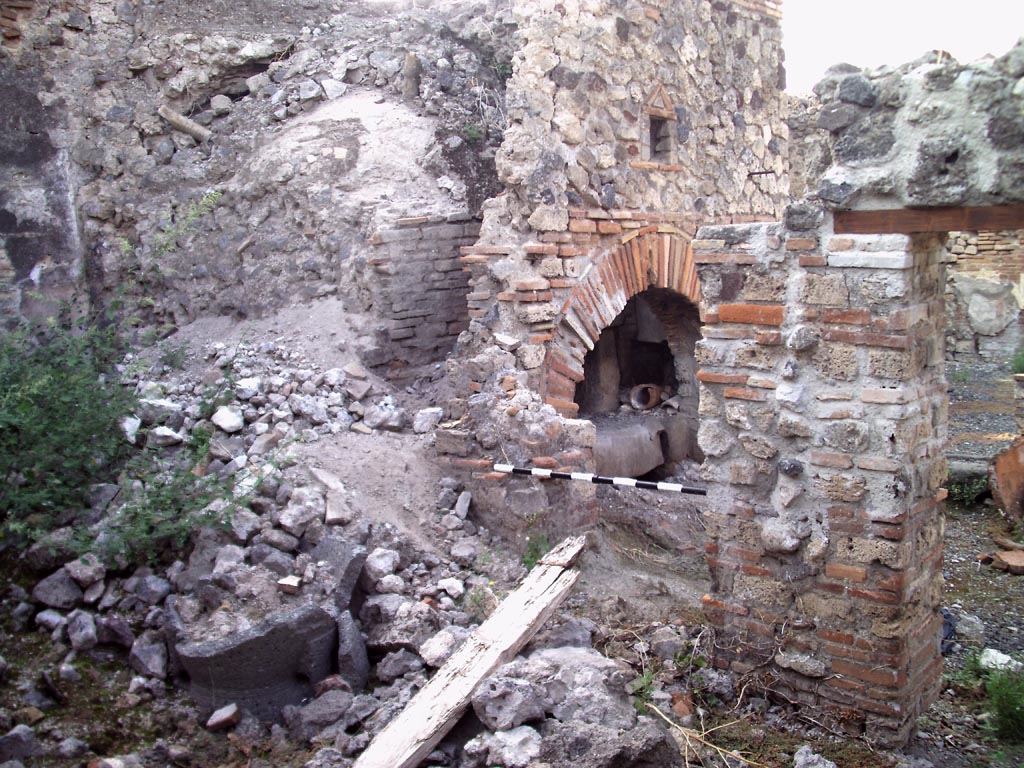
{"points": [[626, 482]]}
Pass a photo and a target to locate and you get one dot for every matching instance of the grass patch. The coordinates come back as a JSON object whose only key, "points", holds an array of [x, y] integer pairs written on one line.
{"points": [[1006, 695], [536, 547]]}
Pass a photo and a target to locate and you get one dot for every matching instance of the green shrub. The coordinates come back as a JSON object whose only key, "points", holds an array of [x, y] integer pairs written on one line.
{"points": [[60, 408], [1006, 693], [1017, 361], [966, 491], [166, 501]]}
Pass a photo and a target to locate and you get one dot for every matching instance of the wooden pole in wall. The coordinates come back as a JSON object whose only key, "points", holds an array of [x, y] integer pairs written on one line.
{"points": [[183, 124]]}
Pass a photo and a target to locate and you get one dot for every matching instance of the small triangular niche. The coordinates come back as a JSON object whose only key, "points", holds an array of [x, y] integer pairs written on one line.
{"points": [[660, 104]]}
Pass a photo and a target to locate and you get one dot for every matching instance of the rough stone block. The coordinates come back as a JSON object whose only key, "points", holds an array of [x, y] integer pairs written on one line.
{"points": [[264, 668]]}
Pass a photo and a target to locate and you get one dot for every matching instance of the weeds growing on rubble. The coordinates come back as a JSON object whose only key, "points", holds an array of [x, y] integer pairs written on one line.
{"points": [[60, 405], [1006, 694]]}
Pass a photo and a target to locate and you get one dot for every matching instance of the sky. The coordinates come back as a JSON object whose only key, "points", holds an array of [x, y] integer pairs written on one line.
{"points": [[868, 33]]}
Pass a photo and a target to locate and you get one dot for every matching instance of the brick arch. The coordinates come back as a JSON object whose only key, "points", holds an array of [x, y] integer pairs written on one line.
{"points": [[652, 257]]}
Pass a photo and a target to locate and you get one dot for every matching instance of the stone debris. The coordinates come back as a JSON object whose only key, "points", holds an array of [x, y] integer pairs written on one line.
{"points": [[224, 718], [990, 658]]}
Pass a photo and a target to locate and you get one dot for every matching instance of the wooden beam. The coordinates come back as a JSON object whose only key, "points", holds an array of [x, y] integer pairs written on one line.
{"points": [[414, 733], [908, 221], [184, 124]]}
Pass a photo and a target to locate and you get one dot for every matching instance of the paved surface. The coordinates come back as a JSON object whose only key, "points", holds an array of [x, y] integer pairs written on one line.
{"points": [[981, 422]]}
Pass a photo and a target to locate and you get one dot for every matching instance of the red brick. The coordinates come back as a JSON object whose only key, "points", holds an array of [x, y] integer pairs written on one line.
{"points": [[715, 604], [544, 462], [722, 378], [893, 583], [562, 406], [843, 684], [738, 393], [883, 677], [609, 227], [558, 363], [768, 338], [753, 314], [568, 251], [801, 243], [845, 638], [582, 225], [811, 260], [546, 249], [531, 296], [846, 316], [846, 572], [506, 296], [750, 555]]}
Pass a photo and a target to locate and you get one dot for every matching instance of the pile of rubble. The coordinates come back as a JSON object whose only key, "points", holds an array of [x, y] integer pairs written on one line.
{"points": [[296, 618]]}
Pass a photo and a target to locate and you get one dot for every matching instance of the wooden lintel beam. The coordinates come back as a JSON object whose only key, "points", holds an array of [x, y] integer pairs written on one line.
{"points": [[910, 220]]}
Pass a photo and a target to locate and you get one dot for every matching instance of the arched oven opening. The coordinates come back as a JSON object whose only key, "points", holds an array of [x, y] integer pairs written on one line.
{"points": [[640, 387]]}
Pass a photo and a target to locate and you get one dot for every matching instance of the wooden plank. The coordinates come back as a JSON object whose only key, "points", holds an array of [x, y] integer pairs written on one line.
{"points": [[908, 221], [411, 736]]}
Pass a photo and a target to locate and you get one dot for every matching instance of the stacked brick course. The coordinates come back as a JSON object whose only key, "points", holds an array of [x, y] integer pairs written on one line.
{"points": [[999, 254], [11, 14], [421, 288], [823, 418]]}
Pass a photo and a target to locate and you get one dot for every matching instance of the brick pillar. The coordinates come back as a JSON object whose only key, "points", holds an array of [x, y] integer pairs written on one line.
{"points": [[823, 420]]}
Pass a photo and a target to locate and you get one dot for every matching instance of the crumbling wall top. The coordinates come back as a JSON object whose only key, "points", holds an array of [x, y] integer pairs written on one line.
{"points": [[931, 133]]}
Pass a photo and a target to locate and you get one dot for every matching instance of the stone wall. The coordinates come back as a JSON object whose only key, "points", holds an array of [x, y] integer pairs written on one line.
{"points": [[326, 123], [630, 122], [40, 247], [985, 295], [823, 418], [933, 132]]}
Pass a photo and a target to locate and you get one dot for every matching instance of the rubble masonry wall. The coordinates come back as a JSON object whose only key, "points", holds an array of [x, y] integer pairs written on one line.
{"points": [[823, 421]]}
